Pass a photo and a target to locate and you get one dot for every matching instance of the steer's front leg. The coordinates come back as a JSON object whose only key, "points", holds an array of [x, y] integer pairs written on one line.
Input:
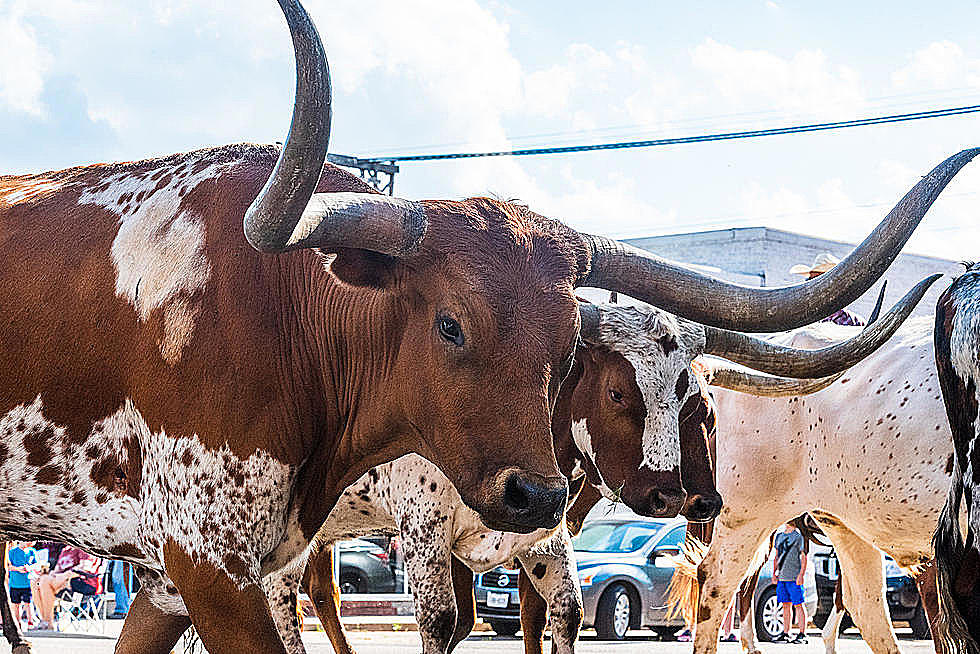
{"points": [[427, 564], [550, 566], [227, 606], [282, 589]]}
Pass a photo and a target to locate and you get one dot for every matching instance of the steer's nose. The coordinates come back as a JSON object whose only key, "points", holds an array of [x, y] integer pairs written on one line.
{"points": [[665, 502], [702, 507], [535, 502]]}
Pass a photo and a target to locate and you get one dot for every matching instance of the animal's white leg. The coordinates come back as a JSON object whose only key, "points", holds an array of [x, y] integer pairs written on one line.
{"points": [[831, 629], [720, 573], [282, 589], [550, 565], [746, 627], [427, 564], [863, 576]]}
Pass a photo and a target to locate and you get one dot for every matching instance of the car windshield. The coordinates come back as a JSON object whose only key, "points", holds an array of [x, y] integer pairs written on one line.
{"points": [[615, 536]]}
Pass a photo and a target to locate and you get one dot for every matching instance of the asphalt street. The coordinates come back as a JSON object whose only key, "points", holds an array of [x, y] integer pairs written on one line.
{"points": [[409, 643]]}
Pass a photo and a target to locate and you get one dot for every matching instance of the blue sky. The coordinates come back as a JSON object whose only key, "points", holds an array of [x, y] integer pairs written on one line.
{"points": [[84, 81]]}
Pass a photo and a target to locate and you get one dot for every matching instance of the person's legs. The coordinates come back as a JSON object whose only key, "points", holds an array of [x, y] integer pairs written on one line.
{"points": [[18, 612], [787, 617], [48, 586], [801, 618], [45, 606], [119, 588], [795, 592]]}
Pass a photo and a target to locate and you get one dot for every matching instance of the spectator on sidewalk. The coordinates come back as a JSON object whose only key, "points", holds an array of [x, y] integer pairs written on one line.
{"points": [[76, 570], [788, 572], [20, 558], [821, 264], [119, 588]]}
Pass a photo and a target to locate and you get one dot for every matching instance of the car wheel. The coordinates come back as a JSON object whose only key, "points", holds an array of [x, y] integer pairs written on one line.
{"points": [[505, 627], [612, 618], [350, 583], [920, 624], [768, 616]]}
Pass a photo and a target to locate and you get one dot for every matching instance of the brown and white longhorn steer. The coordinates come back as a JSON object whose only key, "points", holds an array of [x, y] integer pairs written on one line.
{"points": [[957, 341], [617, 380], [173, 398]]}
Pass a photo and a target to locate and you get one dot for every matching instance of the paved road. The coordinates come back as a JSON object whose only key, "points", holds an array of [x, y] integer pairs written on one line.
{"points": [[408, 643]]}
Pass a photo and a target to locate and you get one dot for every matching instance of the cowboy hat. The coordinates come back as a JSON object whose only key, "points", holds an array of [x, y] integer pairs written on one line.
{"points": [[821, 264]]}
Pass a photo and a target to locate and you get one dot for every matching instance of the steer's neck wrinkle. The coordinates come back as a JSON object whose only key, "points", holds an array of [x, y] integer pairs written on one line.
{"points": [[347, 334]]}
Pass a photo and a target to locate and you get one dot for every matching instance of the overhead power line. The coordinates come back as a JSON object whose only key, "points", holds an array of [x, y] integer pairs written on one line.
{"points": [[704, 138]]}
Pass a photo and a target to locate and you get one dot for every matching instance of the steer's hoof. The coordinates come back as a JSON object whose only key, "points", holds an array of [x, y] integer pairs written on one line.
{"points": [[23, 648]]}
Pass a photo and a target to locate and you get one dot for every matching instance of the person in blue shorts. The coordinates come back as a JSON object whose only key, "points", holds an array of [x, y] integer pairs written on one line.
{"points": [[788, 574], [20, 556]]}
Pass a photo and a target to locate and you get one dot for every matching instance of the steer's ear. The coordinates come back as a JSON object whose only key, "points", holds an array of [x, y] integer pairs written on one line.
{"points": [[365, 268]]}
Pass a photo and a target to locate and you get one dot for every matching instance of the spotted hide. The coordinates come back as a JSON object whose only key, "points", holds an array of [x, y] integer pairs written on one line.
{"points": [[868, 457], [957, 342]]}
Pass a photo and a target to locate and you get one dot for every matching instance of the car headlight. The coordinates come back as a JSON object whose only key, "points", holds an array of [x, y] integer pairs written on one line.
{"points": [[586, 580]]}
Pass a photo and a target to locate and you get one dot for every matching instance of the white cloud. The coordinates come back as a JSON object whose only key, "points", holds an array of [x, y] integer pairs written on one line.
{"points": [[755, 79], [942, 64], [23, 64]]}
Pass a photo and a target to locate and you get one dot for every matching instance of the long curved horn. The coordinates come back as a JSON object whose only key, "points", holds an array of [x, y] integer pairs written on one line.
{"points": [[728, 376], [764, 356], [876, 312], [725, 374], [710, 301], [286, 215]]}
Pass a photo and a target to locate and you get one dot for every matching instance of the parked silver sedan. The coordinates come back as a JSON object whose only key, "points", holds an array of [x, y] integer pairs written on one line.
{"points": [[624, 569]]}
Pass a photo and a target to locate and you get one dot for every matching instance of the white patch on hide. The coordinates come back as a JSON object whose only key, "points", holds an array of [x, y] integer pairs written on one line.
{"points": [[636, 333], [158, 253], [217, 508], [583, 441]]}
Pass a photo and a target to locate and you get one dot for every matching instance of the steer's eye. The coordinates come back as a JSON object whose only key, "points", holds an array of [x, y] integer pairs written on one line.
{"points": [[616, 396], [450, 330]]}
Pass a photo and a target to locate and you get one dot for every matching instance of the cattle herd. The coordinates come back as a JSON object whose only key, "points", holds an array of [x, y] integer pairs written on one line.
{"points": [[216, 364]]}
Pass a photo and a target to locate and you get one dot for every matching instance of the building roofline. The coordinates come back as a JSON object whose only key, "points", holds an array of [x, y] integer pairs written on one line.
{"points": [[762, 232]]}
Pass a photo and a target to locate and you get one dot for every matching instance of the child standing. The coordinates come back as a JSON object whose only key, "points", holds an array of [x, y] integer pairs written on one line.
{"points": [[19, 559], [788, 574]]}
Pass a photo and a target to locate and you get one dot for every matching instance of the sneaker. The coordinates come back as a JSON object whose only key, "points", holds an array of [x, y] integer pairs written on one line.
{"points": [[684, 636], [781, 638], [730, 638], [800, 639]]}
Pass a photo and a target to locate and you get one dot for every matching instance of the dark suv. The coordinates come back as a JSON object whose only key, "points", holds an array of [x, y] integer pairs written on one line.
{"points": [[903, 595]]}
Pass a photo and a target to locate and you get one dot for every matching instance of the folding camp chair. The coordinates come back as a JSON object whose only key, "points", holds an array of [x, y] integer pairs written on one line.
{"points": [[88, 613]]}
